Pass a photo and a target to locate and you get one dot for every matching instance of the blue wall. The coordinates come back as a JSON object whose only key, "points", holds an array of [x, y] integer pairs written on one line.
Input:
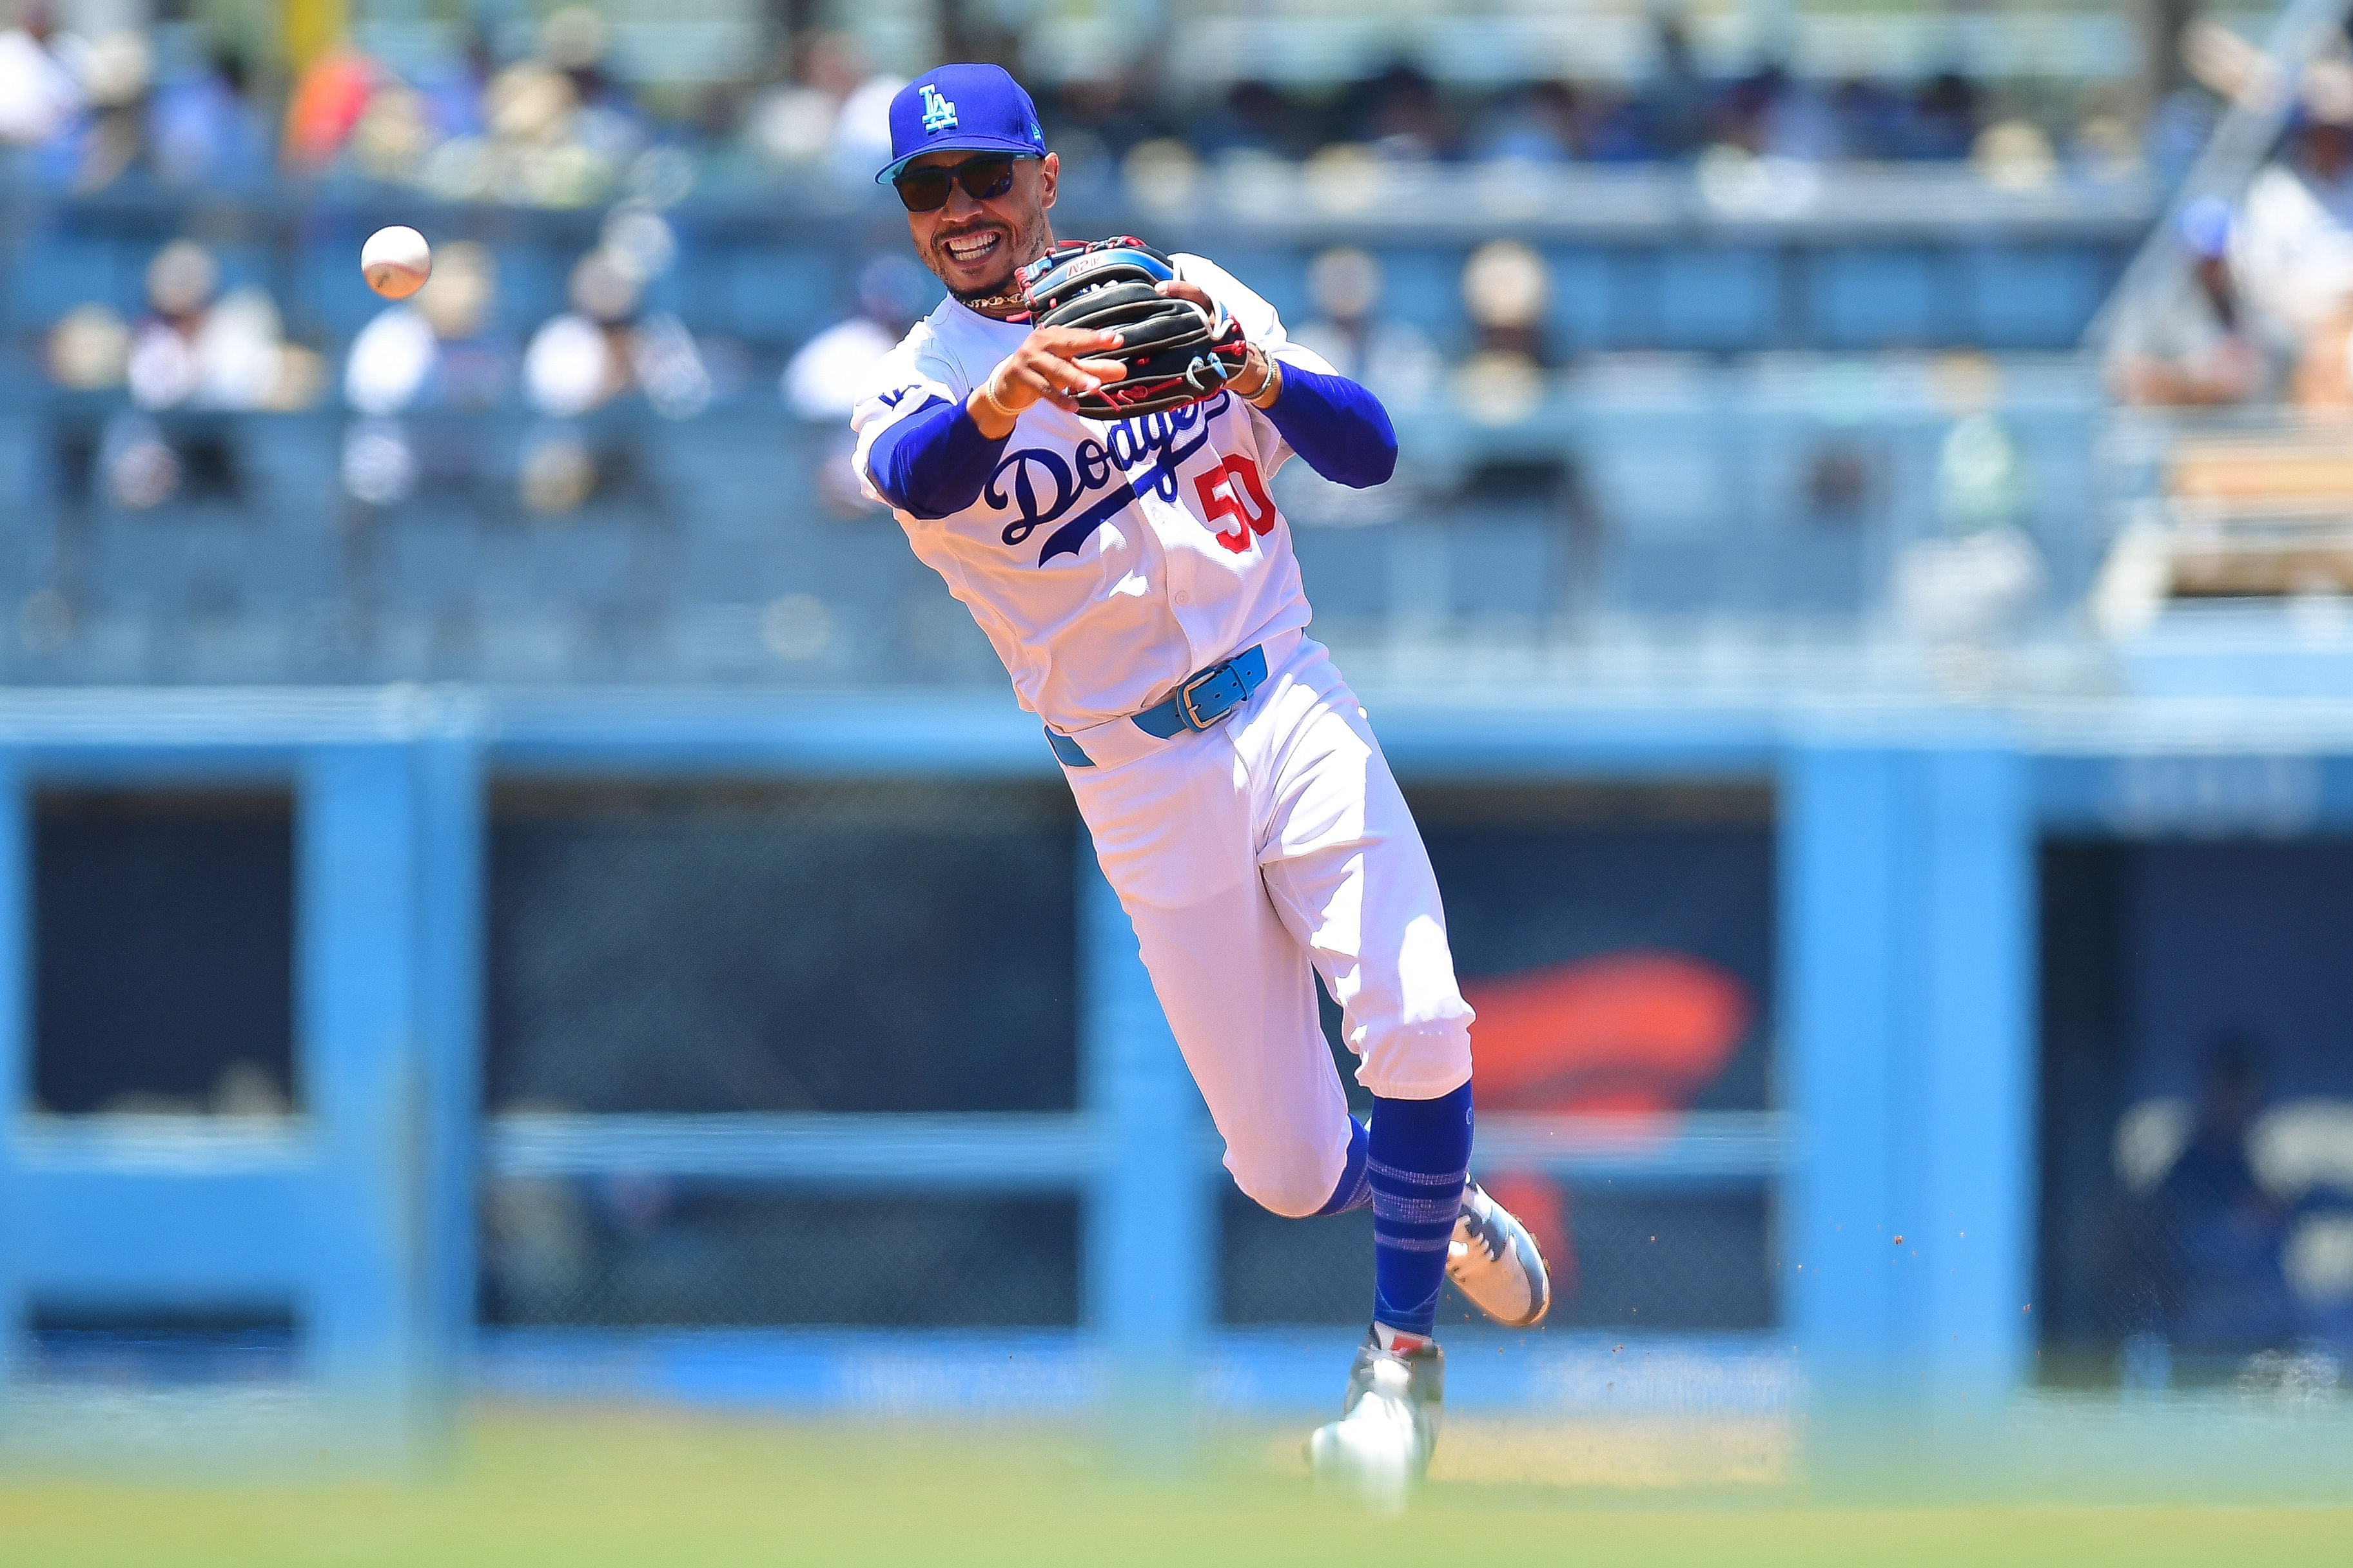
{"points": [[1905, 1051]]}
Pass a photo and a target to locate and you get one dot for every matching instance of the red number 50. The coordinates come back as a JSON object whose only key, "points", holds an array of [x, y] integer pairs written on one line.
{"points": [[1233, 490]]}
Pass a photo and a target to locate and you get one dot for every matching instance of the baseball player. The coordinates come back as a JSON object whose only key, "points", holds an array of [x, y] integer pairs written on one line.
{"points": [[1104, 510]]}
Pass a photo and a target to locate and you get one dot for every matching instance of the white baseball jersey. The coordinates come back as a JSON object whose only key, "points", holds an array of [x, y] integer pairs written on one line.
{"points": [[1106, 559]]}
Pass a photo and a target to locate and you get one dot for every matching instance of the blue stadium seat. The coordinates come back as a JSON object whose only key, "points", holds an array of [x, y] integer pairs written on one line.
{"points": [[2035, 297], [1724, 298], [1878, 297], [53, 273], [1347, 571], [1277, 274], [1424, 286], [1586, 312], [771, 293], [1505, 562]]}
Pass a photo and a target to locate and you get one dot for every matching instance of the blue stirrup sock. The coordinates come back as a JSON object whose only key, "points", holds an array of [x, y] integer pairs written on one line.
{"points": [[1355, 1188], [1417, 1159]]}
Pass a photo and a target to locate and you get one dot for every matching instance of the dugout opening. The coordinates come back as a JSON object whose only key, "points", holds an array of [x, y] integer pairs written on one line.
{"points": [[163, 934], [2196, 1223]]}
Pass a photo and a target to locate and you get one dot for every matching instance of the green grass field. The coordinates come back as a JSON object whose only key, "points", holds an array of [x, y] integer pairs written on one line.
{"points": [[587, 1488]]}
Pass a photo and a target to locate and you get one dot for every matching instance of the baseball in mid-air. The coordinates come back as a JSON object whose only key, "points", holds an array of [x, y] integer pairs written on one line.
{"points": [[396, 261]]}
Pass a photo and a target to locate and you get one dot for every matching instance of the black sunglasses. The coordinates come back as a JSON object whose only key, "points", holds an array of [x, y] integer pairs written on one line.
{"points": [[984, 178]]}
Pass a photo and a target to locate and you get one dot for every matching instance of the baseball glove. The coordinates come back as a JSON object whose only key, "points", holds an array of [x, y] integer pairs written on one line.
{"points": [[1176, 352]]}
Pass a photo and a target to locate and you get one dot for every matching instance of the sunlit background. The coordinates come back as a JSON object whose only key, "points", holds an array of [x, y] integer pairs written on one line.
{"points": [[531, 920]]}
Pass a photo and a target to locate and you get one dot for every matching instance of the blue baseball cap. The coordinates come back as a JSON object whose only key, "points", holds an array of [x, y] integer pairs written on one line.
{"points": [[2205, 227], [960, 108]]}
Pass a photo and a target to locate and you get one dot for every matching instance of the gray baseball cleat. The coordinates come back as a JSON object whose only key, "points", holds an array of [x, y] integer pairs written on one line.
{"points": [[1495, 1262], [1379, 1448]]}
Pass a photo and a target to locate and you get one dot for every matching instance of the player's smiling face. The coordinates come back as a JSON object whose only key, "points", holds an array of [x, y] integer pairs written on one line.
{"points": [[975, 245]]}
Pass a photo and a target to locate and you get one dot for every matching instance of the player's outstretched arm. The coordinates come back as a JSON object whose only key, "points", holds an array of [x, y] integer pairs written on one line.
{"points": [[934, 463], [1337, 426]]}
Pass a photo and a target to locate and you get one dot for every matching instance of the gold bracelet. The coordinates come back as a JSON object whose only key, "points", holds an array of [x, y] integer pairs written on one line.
{"points": [[1271, 388], [986, 395]]}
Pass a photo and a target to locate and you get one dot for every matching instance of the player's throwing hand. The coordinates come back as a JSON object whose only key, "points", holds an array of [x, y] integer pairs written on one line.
{"points": [[1049, 367]]}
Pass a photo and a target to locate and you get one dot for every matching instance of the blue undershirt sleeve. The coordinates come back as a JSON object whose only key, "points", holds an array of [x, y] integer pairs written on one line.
{"points": [[1338, 427], [933, 463]]}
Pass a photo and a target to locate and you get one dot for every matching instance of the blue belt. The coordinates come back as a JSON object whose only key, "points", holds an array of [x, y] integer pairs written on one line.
{"points": [[1204, 700]]}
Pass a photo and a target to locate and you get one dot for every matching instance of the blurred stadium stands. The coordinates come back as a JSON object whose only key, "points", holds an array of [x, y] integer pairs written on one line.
{"points": [[522, 881], [1573, 494]]}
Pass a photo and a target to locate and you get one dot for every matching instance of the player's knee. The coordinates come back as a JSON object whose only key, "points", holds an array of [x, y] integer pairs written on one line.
{"points": [[1289, 1187], [1291, 1202]]}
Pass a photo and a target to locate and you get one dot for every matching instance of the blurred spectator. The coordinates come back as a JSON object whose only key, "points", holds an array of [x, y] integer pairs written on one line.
{"points": [[605, 121], [1253, 117], [2292, 249], [454, 88], [793, 122], [563, 128], [204, 131], [2193, 342], [2324, 367], [89, 349], [1672, 111], [1096, 120], [116, 71], [394, 133], [1533, 124], [1983, 573], [391, 360], [834, 115], [2218, 1235], [1507, 288], [432, 351], [325, 109], [861, 134], [605, 346], [824, 381], [1744, 107], [197, 351], [1394, 358], [2323, 374], [556, 128], [2014, 155], [1768, 114], [40, 93], [2103, 144], [1870, 119], [1614, 131], [1943, 121], [1403, 118], [1798, 119], [580, 359]]}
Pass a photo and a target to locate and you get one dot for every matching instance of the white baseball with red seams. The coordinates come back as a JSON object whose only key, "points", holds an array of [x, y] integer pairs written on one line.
{"points": [[1107, 561], [396, 261]]}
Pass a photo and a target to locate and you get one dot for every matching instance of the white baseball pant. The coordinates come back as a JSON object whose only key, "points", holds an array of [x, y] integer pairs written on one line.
{"points": [[1248, 851]]}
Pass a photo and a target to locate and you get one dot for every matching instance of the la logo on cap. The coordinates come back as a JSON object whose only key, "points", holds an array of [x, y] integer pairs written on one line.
{"points": [[939, 115]]}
